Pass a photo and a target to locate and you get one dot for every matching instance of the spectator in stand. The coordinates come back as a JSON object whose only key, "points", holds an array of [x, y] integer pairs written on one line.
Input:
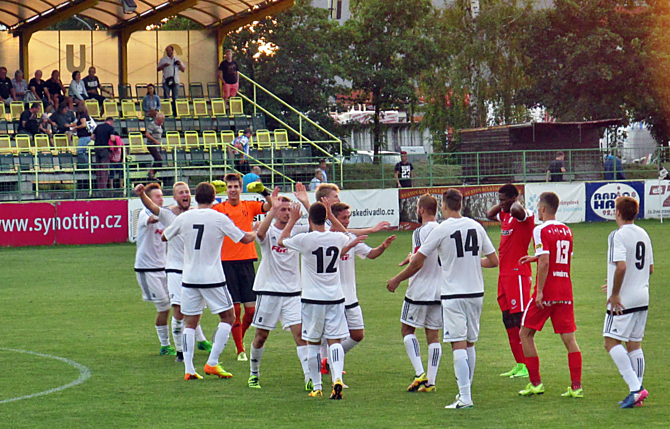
{"points": [[556, 168], [323, 166], [37, 87], [253, 176], [93, 88], [151, 103], [77, 89], [56, 91], [316, 180], [20, 86], [101, 135], [404, 172], [46, 128], [240, 156], [228, 74], [7, 94], [170, 65], [83, 132], [614, 167], [28, 122], [64, 120], [154, 134]]}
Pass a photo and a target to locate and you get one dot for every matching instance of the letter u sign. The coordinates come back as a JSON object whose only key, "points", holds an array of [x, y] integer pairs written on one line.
{"points": [[69, 58]]}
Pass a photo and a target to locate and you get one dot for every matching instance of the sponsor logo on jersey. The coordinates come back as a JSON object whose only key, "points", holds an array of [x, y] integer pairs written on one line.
{"points": [[506, 232], [561, 274], [602, 200], [345, 257], [538, 246], [279, 249]]}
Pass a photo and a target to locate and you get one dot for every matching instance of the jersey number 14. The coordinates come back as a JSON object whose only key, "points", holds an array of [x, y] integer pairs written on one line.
{"points": [[471, 243]]}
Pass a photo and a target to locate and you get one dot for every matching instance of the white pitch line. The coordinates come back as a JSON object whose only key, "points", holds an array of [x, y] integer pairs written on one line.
{"points": [[84, 374]]}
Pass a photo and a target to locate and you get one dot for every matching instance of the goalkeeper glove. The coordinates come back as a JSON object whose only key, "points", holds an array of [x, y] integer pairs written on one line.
{"points": [[220, 186], [258, 187]]}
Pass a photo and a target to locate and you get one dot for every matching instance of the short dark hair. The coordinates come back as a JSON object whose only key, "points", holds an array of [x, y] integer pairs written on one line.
{"points": [[550, 200], [150, 187], [61, 107], [232, 177], [509, 190], [205, 193], [322, 160], [3, 68], [35, 106], [317, 213], [559, 154], [74, 73], [452, 199], [248, 131], [150, 85], [109, 118], [338, 208], [628, 207], [429, 203]]}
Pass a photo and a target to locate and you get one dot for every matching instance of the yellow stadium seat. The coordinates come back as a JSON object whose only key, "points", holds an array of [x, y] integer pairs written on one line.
{"points": [[236, 107], [281, 139], [191, 140], [209, 139], [183, 108], [42, 143], [15, 109], [23, 143], [218, 107], [200, 107], [61, 143], [128, 109], [136, 143], [227, 138], [111, 108], [6, 144], [166, 108], [93, 108], [173, 140], [263, 139]]}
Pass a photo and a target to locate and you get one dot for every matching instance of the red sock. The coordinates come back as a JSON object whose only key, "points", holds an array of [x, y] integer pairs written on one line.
{"points": [[247, 319], [237, 330], [515, 344], [575, 364], [533, 364]]}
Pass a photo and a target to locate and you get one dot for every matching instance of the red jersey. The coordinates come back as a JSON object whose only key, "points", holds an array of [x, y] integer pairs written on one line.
{"points": [[514, 240], [554, 238]]}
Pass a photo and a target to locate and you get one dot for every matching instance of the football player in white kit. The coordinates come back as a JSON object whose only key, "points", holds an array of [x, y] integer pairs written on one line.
{"points": [[322, 297], [203, 281], [422, 308], [460, 243], [150, 261], [630, 261], [175, 261], [277, 287]]}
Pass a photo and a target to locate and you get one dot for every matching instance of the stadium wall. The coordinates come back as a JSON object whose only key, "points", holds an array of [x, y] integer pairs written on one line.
{"points": [[115, 221]]}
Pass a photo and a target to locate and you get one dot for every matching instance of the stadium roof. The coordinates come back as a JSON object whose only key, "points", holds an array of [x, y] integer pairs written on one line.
{"points": [[17, 15]]}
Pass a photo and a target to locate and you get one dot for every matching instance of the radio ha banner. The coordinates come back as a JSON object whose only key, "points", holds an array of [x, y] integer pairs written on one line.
{"points": [[600, 198]]}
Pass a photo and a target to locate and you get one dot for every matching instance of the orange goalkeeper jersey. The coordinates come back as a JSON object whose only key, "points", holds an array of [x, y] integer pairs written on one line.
{"points": [[243, 216]]}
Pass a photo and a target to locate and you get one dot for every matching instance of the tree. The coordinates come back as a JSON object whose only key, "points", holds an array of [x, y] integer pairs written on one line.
{"points": [[389, 47]]}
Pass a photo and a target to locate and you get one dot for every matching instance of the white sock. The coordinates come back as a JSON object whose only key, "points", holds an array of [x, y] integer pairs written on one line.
{"points": [[304, 361], [177, 328], [637, 360], [336, 359], [189, 349], [323, 350], [623, 363], [462, 371], [314, 360], [255, 361], [348, 344], [220, 339], [434, 356], [472, 359], [199, 335], [163, 335], [414, 352]]}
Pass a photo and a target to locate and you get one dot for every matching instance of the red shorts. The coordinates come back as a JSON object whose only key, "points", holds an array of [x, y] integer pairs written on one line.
{"points": [[230, 90], [562, 317], [513, 293]]}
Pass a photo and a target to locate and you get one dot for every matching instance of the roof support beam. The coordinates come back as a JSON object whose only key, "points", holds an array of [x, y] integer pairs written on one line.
{"points": [[255, 15], [25, 31]]}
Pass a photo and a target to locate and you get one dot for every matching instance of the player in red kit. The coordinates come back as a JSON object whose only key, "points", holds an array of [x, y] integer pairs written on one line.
{"points": [[552, 297], [514, 279]]}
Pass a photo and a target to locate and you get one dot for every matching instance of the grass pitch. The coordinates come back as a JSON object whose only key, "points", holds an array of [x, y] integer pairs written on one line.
{"points": [[82, 303]]}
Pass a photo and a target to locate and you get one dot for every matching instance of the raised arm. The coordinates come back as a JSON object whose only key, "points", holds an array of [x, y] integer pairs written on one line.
{"points": [[153, 208], [518, 211], [249, 237], [492, 214], [381, 226], [269, 198], [301, 194], [336, 225], [265, 225], [353, 243], [379, 250], [295, 215]]}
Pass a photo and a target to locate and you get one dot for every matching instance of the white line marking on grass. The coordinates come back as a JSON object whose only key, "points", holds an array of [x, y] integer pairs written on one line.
{"points": [[84, 374]]}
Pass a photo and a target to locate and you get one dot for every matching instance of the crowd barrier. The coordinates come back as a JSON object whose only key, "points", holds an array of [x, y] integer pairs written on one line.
{"points": [[114, 221]]}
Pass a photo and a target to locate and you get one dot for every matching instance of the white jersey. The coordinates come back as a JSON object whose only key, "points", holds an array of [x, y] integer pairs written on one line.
{"points": [[175, 247], [150, 254], [425, 285], [348, 270], [203, 231], [320, 275], [631, 244], [461, 243], [279, 270]]}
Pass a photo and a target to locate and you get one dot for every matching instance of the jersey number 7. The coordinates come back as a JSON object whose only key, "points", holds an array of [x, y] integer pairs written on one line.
{"points": [[198, 239]]}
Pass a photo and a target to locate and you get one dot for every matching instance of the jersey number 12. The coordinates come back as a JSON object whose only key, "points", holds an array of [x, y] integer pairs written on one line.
{"points": [[333, 252]]}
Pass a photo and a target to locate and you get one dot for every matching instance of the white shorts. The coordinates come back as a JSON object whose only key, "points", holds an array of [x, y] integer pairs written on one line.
{"points": [[271, 309], [354, 317], [626, 327], [323, 321], [154, 288], [193, 300], [421, 316], [174, 287], [460, 318]]}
